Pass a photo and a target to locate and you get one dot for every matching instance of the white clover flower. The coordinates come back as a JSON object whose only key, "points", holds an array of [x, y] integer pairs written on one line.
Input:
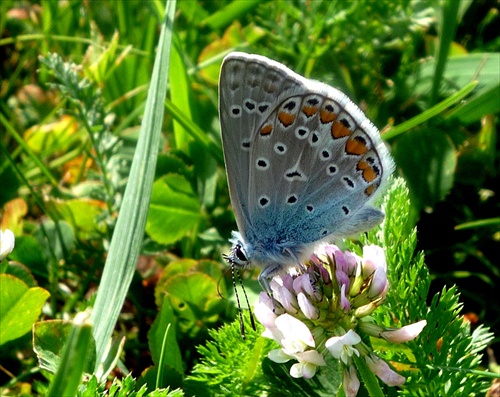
{"points": [[297, 343], [7, 242], [296, 335], [306, 306], [342, 346], [308, 363]]}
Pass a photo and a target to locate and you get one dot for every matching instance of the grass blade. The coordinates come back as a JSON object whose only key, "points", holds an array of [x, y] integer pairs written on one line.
{"points": [[127, 238]]}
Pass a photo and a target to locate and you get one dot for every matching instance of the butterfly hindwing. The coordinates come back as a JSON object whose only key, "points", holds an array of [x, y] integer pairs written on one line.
{"points": [[314, 165]]}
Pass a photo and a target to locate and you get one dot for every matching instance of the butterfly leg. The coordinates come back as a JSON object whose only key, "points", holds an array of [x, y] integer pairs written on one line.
{"points": [[264, 279]]}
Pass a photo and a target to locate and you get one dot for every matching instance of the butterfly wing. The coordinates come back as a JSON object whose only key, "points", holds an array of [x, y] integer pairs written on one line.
{"points": [[248, 88], [316, 162]]}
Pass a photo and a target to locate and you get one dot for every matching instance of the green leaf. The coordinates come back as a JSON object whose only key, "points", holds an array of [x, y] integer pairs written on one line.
{"points": [[29, 252], [230, 13], [49, 339], [123, 387], [10, 182], [82, 214], [195, 299], [179, 95], [113, 353], [447, 29], [21, 272], [165, 350], [462, 70], [174, 209], [444, 359], [230, 366], [473, 109], [429, 113], [325, 383], [20, 307], [206, 170]]}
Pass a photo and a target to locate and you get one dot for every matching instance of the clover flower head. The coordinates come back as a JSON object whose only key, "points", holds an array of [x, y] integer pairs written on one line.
{"points": [[325, 311]]}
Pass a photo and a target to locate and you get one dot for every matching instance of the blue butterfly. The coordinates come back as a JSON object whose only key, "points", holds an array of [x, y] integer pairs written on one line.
{"points": [[303, 164]]}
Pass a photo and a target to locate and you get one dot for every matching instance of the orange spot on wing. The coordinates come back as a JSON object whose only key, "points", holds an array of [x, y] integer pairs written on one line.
{"points": [[266, 130], [339, 130], [326, 117], [355, 146], [286, 119], [369, 174], [310, 110], [370, 189]]}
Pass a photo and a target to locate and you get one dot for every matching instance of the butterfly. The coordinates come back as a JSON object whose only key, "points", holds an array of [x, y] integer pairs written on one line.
{"points": [[303, 164]]}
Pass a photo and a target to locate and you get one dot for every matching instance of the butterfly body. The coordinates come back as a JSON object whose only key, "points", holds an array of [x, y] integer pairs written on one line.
{"points": [[303, 163]]}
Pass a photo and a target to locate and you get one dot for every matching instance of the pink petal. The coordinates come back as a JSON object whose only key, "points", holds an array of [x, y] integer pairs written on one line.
{"points": [[345, 305], [350, 382], [380, 368], [379, 284], [404, 334], [373, 258], [307, 308], [288, 300]]}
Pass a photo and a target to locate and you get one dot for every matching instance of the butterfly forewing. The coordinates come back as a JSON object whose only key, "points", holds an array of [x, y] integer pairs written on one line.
{"points": [[248, 89]]}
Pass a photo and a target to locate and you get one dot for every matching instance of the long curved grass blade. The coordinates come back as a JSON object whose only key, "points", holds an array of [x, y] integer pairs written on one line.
{"points": [[127, 238]]}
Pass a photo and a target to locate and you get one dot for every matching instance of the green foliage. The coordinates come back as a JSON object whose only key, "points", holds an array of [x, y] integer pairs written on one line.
{"points": [[174, 210], [168, 369], [443, 360], [49, 339], [77, 356], [446, 343], [88, 109], [126, 243], [325, 383], [20, 307], [193, 290], [230, 366], [127, 387]]}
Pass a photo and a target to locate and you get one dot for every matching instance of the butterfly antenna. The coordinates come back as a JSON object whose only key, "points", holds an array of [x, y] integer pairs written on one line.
{"points": [[242, 324], [252, 321]]}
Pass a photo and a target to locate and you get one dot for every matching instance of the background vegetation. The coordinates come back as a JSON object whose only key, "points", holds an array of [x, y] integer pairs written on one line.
{"points": [[426, 73]]}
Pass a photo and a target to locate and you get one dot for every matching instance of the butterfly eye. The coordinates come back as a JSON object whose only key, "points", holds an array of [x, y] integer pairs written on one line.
{"points": [[240, 254]]}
